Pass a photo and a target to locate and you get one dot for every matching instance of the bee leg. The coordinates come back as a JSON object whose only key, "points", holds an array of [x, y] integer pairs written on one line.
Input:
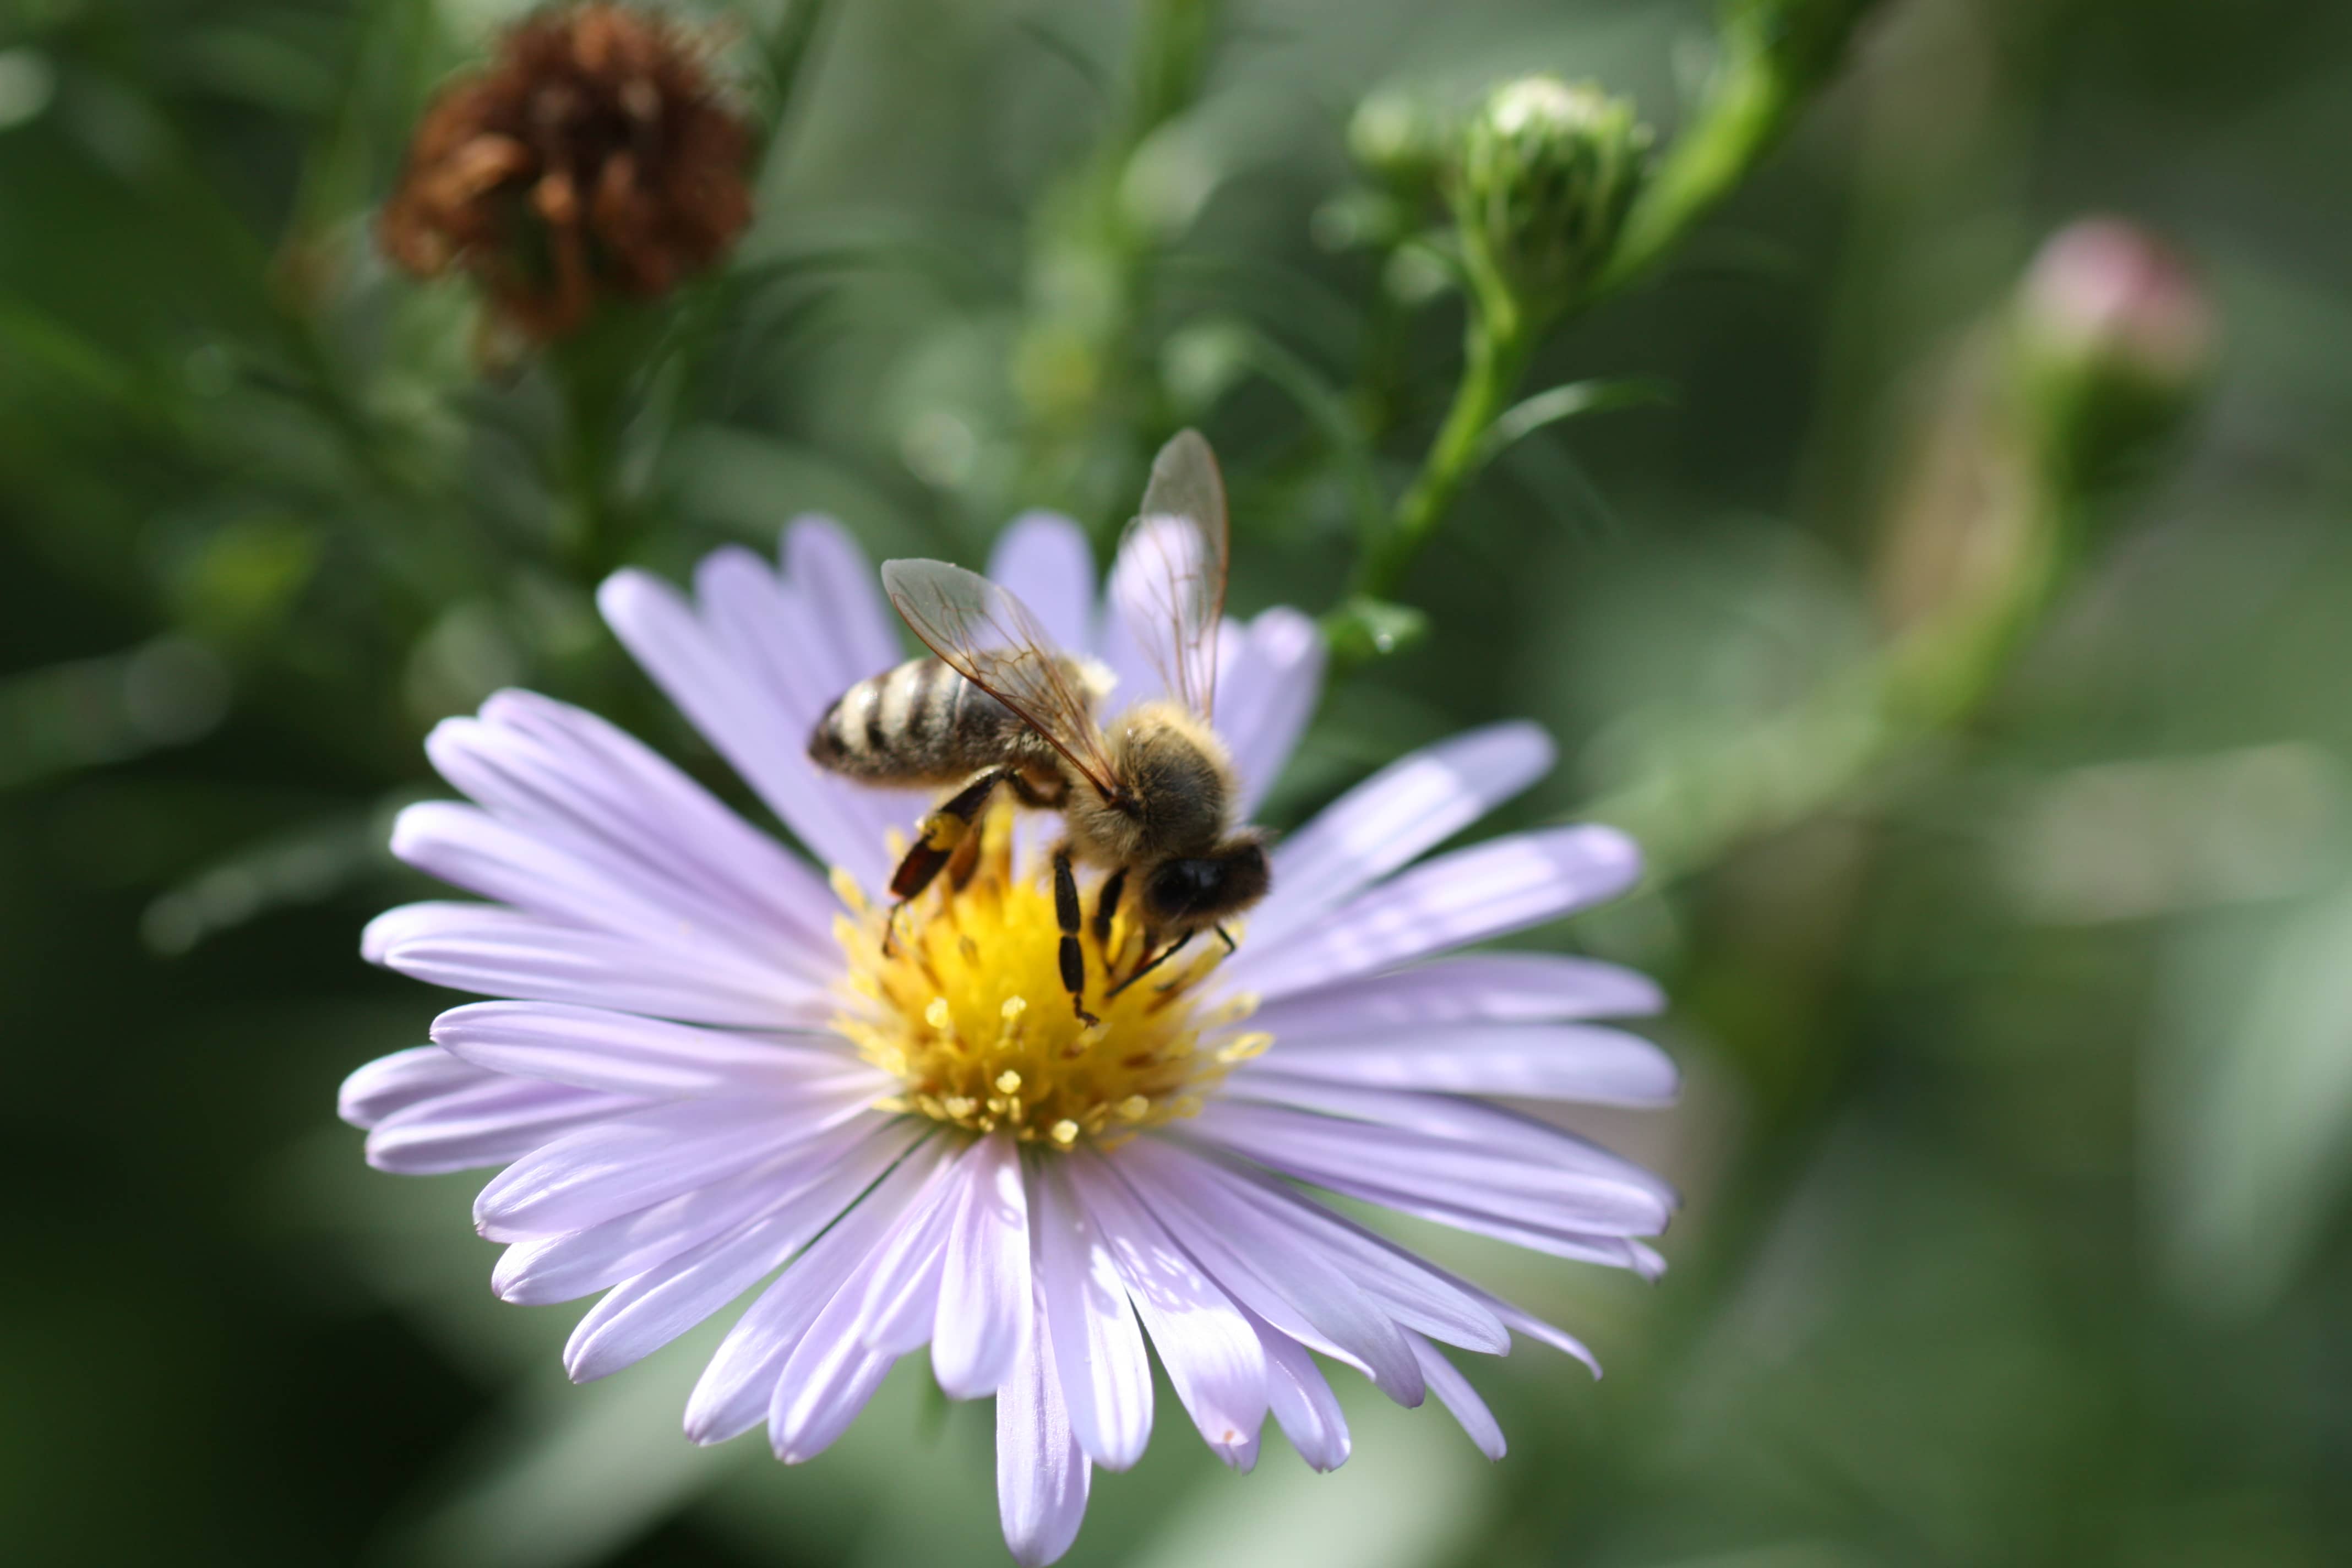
{"points": [[1227, 938], [963, 861], [1069, 915], [1106, 906], [937, 839], [1162, 956]]}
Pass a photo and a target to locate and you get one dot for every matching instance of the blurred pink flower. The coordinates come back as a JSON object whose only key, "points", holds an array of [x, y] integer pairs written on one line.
{"points": [[2107, 290]]}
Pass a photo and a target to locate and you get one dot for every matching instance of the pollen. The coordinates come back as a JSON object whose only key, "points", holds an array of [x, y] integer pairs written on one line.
{"points": [[963, 1002]]}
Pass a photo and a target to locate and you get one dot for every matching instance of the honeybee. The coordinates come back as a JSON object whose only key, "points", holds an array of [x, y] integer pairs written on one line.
{"points": [[1150, 798]]}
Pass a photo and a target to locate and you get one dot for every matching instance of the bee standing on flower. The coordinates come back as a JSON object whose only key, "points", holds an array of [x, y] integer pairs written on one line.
{"points": [[1152, 796]]}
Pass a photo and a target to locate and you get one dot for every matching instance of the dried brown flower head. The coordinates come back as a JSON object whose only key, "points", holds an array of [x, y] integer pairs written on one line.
{"points": [[595, 156]]}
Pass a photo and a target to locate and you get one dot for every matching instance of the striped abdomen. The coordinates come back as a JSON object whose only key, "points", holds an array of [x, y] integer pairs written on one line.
{"points": [[920, 723]]}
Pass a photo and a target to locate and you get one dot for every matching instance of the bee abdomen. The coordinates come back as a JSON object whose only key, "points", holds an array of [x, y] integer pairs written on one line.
{"points": [[919, 723]]}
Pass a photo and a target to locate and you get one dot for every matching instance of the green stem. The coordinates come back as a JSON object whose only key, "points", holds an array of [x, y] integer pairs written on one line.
{"points": [[588, 371], [1497, 344], [1749, 103]]}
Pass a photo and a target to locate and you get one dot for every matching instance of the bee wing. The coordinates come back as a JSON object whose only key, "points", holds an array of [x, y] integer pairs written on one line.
{"points": [[1172, 569], [993, 640]]}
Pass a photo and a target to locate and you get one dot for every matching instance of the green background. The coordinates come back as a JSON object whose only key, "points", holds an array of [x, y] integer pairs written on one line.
{"points": [[2020, 1078]]}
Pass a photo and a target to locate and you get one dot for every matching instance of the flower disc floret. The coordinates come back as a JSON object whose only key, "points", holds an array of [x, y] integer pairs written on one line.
{"points": [[960, 999]]}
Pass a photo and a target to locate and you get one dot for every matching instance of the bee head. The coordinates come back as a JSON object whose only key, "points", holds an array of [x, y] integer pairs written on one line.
{"points": [[1187, 892]]}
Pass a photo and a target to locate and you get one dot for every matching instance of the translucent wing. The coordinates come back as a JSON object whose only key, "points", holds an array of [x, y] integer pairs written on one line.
{"points": [[994, 641], [1170, 583]]}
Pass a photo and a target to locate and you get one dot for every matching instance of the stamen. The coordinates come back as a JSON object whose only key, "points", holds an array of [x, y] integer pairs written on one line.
{"points": [[1231, 1010], [1241, 1047]]}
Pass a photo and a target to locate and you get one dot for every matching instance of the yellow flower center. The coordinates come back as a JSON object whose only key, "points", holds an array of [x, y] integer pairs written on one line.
{"points": [[964, 1004]]}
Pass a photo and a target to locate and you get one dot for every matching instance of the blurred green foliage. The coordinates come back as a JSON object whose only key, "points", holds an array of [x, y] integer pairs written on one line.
{"points": [[2004, 882]]}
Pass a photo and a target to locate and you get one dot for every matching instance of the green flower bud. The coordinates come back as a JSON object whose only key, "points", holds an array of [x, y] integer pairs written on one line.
{"points": [[1400, 139], [1545, 173], [2113, 337]]}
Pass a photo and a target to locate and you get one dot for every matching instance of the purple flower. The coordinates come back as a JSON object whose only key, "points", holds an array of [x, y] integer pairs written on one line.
{"points": [[708, 1069]]}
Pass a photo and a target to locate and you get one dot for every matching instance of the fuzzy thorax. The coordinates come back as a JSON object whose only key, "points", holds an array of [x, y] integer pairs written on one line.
{"points": [[966, 1008]]}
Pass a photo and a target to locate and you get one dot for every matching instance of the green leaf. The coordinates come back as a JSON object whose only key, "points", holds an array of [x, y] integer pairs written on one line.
{"points": [[302, 867], [2249, 1109], [1363, 628], [1572, 401]]}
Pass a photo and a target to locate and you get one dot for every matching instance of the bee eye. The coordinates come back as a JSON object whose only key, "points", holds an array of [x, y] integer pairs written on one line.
{"points": [[1180, 887], [1207, 887]]}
